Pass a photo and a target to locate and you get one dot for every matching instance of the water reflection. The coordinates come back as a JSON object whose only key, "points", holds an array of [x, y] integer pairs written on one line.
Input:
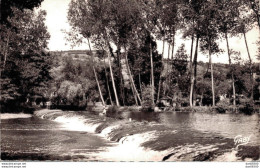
{"points": [[226, 125], [144, 116]]}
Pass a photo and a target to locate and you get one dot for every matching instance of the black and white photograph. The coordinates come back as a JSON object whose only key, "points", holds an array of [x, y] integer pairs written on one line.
{"points": [[122, 81]]}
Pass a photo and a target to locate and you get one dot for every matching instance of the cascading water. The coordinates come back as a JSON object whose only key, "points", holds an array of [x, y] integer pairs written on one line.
{"points": [[127, 148], [155, 136]]}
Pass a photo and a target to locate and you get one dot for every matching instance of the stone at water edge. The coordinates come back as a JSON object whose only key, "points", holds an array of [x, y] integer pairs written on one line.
{"points": [[156, 109]]}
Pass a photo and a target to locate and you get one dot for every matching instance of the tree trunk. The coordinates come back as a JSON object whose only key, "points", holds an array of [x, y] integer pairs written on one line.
{"points": [[163, 48], [212, 77], [109, 92], [191, 50], [159, 90], [232, 73], [167, 68], [169, 54], [160, 80], [121, 84], [123, 89], [130, 77], [99, 90], [140, 83], [135, 92], [201, 99], [173, 41], [152, 75], [111, 71], [96, 78], [194, 72], [107, 82], [250, 67], [6, 50]]}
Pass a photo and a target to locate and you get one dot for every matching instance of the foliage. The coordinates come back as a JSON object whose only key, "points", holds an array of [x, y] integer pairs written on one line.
{"points": [[179, 75], [139, 61], [6, 7], [73, 83], [147, 104], [113, 111], [223, 105], [25, 63], [248, 108]]}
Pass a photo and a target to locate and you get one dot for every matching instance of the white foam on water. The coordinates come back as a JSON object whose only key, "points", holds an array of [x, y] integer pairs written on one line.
{"points": [[228, 157], [77, 123], [68, 120], [44, 112], [105, 132], [6, 116], [129, 149]]}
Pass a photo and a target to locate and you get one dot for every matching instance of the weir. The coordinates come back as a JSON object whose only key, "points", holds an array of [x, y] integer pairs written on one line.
{"points": [[156, 140]]}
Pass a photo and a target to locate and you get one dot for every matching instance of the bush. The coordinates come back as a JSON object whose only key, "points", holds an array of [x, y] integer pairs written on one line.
{"points": [[222, 106], [113, 111], [220, 109], [248, 108], [201, 109], [147, 104]]}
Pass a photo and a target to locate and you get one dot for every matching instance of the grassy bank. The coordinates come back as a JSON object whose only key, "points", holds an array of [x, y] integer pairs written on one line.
{"points": [[113, 110], [216, 109]]}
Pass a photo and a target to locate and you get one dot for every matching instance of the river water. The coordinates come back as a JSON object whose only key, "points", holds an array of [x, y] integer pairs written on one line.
{"points": [[129, 136]]}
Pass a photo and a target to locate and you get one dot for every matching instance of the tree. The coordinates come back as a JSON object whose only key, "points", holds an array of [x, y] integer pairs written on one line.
{"points": [[24, 70], [148, 23], [241, 75], [73, 82], [96, 78], [245, 23], [6, 7], [179, 76], [126, 17], [193, 14], [167, 23], [230, 14], [91, 19], [209, 36], [139, 60], [254, 5]]}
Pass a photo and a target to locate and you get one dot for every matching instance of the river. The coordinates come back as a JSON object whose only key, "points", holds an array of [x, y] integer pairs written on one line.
{"points": [[129, 136]]}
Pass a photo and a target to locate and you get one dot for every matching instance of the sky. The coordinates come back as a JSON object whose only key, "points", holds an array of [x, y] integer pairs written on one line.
{"points": [[56, 21]]}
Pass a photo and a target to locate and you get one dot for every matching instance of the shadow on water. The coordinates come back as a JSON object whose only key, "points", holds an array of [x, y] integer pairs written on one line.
{"points": [[38, 139], [144, 116]]}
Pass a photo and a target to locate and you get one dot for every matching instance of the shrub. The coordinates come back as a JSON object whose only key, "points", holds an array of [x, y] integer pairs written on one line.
{"points": [[112, 111], [222, 106], [248, 108], [147, 104], [220, 109]]}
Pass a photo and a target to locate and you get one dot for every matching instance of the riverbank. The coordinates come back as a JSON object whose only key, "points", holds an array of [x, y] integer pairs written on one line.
{"points": [[112, 110]]}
